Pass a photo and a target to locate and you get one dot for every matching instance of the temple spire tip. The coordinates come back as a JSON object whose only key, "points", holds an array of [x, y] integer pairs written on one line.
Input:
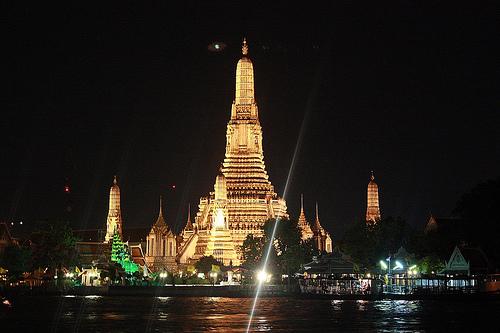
{"points": [[160, 214], [244, 48]]}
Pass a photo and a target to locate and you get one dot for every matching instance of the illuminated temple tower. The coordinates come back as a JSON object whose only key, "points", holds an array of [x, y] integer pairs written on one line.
{"points": [[304, 226], [114, 221], [248, 199], [321, 237], [372, 207]]}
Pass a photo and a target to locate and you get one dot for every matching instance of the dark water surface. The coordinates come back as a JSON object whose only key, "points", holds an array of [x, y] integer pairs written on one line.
{"points": [[216, 314]]}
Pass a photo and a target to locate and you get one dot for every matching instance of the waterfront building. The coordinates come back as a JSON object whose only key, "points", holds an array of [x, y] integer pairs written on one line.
{"points": [[114, 221], [248, 199], [333, 274], [372, 206], [161, 246], [466, 261]]}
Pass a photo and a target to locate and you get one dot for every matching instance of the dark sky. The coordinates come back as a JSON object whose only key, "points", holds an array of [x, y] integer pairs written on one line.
{"points": [[409, 90]]}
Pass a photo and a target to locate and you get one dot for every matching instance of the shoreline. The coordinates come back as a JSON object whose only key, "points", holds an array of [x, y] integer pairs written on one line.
{"points": [[234, 291]]}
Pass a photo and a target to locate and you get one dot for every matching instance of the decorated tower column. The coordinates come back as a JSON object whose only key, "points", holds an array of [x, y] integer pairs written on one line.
{"points": [[220, 243], [114, 220], [372, 206]]}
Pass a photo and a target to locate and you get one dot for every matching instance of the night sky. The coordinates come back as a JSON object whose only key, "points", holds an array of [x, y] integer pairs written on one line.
{"points": [[409, 90]]}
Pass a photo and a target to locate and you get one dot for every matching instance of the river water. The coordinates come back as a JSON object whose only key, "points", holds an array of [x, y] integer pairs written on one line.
{"points": [[217, 314]]}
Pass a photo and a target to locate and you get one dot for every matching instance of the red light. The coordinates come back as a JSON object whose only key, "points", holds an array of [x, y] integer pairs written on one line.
{"points": [[173, 187], [66, 189]]}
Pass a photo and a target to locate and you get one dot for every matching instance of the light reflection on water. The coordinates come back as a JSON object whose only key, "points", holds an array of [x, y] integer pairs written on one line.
{"points": [[398, 306], [337, 304], [361, 305], [172, 314]]}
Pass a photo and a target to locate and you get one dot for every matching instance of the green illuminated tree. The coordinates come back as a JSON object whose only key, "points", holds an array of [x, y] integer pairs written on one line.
{"points": [[120, 255], [118, 252]]}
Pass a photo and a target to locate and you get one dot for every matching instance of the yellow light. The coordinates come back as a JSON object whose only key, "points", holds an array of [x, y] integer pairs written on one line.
{"points": [[262, 276], [219, 218]]}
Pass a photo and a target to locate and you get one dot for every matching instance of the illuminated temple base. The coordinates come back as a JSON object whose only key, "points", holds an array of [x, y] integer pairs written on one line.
{"points": [[242, 192]]}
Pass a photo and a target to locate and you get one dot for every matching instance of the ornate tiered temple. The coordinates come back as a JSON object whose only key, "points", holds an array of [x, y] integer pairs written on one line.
{"points": [[161, 246], [372, 204], [243, 197], [304, 226], [114, 221], [321, 238]]}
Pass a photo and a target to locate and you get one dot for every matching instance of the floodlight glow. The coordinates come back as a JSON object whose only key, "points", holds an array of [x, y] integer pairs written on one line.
{"points": [[383, 265], [262, 276], [398, 265]]}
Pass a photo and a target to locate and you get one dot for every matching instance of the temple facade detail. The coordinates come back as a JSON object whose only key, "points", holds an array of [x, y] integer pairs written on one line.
{"points": [[161, 246], [248, 198], [114, 220], [372, 204]]}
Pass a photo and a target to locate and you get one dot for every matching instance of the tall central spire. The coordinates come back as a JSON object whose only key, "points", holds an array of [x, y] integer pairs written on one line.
{"points": [[244, 105], [243, 198], [243, 165]]}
